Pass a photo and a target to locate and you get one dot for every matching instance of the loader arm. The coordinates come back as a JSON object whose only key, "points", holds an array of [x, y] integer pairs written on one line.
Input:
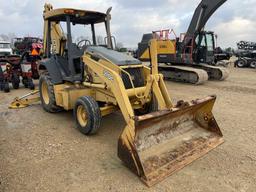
{"points": [[155, 83], [116, 87], [114, 83]]}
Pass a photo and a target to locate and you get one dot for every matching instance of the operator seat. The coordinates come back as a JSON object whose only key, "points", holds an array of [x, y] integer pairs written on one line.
{"points": [[75, 53]]}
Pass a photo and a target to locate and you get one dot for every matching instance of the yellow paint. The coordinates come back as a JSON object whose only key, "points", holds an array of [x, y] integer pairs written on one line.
{"points": [[167, 47]]}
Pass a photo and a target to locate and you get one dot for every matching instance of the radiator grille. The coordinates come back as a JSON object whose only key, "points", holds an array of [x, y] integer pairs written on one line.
{"points": [[136, 75]]}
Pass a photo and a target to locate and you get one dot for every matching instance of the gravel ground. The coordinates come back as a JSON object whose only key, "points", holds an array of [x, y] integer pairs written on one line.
{"points": [[44, 152]]}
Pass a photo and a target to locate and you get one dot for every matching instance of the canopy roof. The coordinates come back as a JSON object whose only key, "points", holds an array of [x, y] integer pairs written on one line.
{"points": [[76, 16]]}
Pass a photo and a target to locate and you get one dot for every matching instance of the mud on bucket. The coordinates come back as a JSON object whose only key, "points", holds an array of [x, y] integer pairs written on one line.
{"points": [[166, 141]]}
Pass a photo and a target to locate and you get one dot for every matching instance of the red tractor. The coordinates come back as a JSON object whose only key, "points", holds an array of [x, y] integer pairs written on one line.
{"points": [[14, 67], [10, 72], [22, 45]]}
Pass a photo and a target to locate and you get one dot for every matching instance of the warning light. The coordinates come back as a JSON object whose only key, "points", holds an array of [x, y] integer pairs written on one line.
{"points": [[69, 11]]}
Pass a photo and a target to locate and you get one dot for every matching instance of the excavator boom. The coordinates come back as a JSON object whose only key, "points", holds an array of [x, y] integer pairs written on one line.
{"points": [[202, 14], [57, 35]]}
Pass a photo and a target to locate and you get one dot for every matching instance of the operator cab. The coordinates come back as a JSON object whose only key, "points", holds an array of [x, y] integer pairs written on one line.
{"points": [[62, 49], [205, 46]]}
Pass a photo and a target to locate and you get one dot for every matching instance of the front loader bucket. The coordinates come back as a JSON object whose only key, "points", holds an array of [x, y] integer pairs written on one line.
{"points": [[163, 142]]}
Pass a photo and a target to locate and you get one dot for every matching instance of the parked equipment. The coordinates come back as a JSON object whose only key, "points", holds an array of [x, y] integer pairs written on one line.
{"points": [[9, 72], [221, 55], [5, 48], [24, 66], [246, 45], [246, 59], [246, 54], [23, 45], [30, 49], [188, 57], [14, 68], [94, 81]]}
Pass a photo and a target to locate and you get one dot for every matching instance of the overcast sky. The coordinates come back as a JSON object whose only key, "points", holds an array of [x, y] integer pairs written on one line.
{"points": [[234, 21]]}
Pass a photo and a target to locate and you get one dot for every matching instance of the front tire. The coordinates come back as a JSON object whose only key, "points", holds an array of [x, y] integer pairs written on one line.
{"points": [[87, 115], [47, 96], [6, 87]]}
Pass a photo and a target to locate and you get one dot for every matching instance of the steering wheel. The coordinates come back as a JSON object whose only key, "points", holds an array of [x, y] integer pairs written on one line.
{"points": [[84, 41]]}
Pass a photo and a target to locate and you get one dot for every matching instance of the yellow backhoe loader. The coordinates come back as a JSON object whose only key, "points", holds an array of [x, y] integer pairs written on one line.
{"points": [[94, 81]]}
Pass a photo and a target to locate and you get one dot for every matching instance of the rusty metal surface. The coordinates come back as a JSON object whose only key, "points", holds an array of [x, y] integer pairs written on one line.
{"points": [[166, 141]]}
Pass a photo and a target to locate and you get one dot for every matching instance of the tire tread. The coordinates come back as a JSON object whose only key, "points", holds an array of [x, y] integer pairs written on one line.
{"points": [[93, 110]]}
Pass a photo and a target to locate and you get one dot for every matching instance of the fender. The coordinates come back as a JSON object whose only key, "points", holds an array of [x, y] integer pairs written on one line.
{"points": [[53, 69]]}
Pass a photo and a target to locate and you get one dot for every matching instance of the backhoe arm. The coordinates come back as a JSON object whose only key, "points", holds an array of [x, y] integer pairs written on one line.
{"points": [[55, 33]]}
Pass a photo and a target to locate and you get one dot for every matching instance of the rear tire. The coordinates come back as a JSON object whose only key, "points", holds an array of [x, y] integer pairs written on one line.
{"points": [[25, 82], [87, 115], [47, 96], [31, 84], [1, 79], [15, 81], [1, 85]]}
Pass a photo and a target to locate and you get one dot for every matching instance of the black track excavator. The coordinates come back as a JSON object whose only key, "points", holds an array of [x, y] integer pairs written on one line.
{"points": [[188, 57]]}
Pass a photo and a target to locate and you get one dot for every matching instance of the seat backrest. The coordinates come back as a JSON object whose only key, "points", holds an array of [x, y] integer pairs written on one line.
{"points": [[75, 54]]}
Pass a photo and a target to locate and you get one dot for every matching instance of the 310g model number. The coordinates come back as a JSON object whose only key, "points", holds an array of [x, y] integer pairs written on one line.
{"points": [[108, 75]]}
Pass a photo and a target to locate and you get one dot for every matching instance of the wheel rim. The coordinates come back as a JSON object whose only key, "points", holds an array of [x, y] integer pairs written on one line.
{"points": [[81, 115], [45, 93]]}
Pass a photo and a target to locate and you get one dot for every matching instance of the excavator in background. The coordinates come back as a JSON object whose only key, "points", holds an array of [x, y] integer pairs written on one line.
{"points": [[94, 81], [188, 57]]}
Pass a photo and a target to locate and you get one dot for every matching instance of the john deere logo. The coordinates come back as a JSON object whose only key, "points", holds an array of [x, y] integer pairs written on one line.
{"points": [[108, 75]]}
